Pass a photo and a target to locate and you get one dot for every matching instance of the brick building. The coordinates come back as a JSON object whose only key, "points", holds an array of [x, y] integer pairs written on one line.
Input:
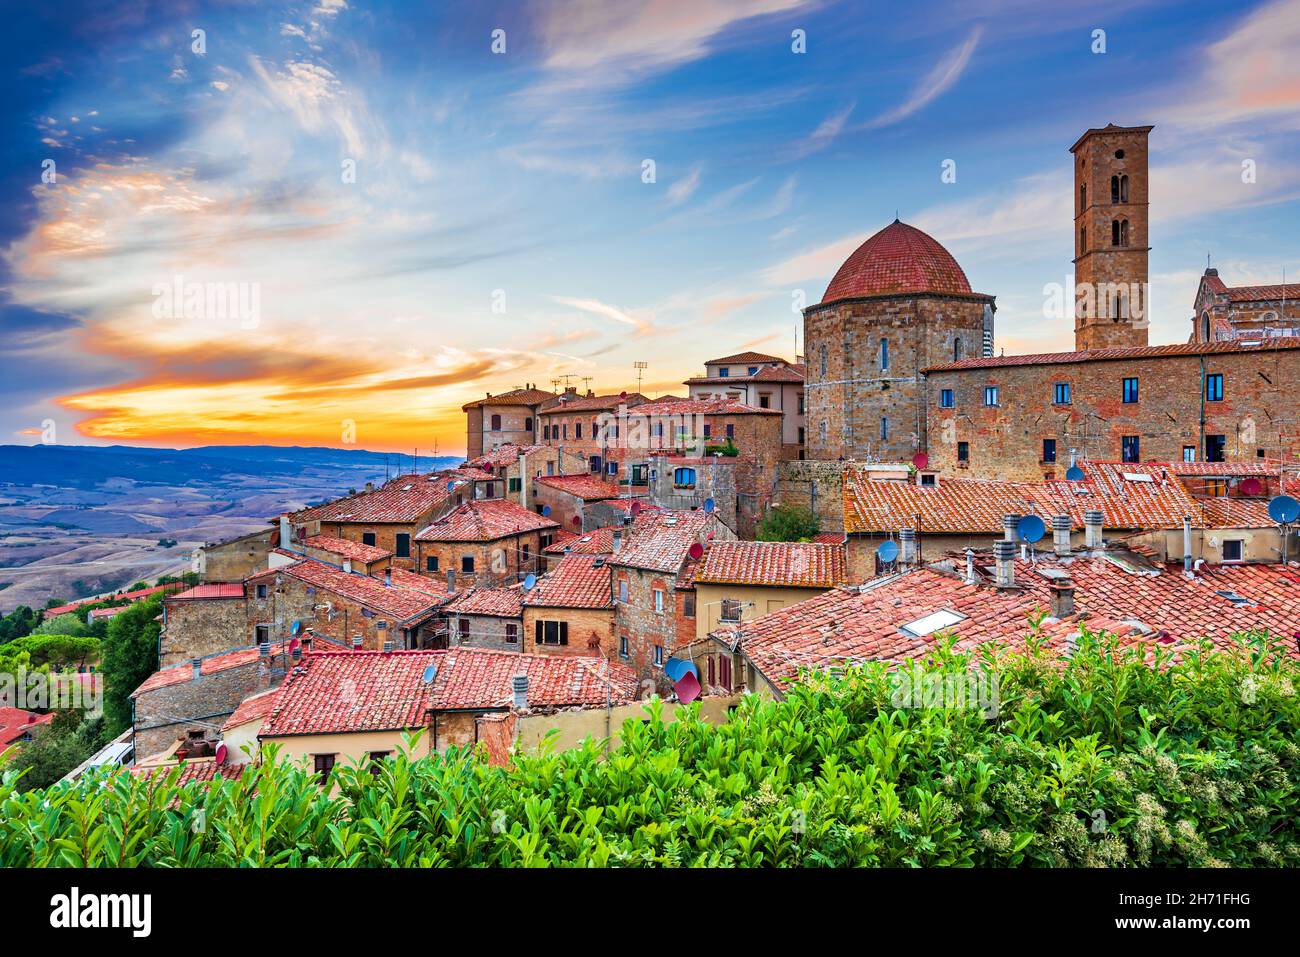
{"points": [[566, 497], [486, 541], [506, 419], [485, 618], [201, 621], [761, 381], [739, 581], [1224, 312], [588, 426], [570, 611]]}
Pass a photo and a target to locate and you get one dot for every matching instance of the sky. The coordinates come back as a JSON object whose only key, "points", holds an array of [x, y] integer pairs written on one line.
{"points": [[412, 205]]}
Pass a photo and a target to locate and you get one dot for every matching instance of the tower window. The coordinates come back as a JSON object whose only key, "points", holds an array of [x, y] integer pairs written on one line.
{"points": [[1123, 189], [945, 399], [1083, 238], [884, 355], [956, 348], [1130, 448], [1114, 189], [1114, 232], [1123, 232], [884, 428], [823, 360], [1083, 198]]}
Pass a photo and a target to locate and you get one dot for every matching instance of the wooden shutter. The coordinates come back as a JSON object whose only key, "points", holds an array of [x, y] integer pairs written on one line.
{"points": [[537, 629]]}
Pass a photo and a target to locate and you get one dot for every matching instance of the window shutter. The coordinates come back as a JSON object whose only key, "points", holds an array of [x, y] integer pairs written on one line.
{"points": [[537, 630], [564, 632]]}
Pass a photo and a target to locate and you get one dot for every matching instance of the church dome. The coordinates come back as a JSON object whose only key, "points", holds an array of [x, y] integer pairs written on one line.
{"points": [[897, 260]]}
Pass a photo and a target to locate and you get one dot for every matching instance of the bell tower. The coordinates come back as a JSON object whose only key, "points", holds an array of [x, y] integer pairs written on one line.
{"points": [[1111, 308]]}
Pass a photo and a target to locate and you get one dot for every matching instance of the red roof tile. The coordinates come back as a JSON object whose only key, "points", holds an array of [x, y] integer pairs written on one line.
{"points": [[743, 357], [216, 590], [15, 722], [899, 259], [484, 520], [473, 678], [1104, 355], [600, 541], [356, 551], [502, 602], [410, 596], [589, 488], [211, 665], [706, 407], [408, 498], [528, 397], [661, 539], [774, 564], [503, 456], [253, 708], [132, 596], [595, 403], [1235, 513], [578, 581], [198, 769]]}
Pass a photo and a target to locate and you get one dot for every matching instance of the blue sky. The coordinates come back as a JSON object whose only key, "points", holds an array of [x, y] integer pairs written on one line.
{"points": [[499, 229]]}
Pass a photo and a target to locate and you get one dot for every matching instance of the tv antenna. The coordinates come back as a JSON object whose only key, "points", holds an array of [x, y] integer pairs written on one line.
{"points": [[640, 368]]}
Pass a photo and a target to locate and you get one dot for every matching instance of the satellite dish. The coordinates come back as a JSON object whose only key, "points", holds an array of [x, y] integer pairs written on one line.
{"points": [[451, 485], [295, 629], [1284, 509], [709, 505], [546, 510], [887, 551], [577, 520], [920, 460], [635, 509], [1031, 528], [430, 673], [688, 689], [674, 668], [294, 643], [529, 582], [696, 551], [1074, 473], [1250, 486], [222, 751], [623, 394]]}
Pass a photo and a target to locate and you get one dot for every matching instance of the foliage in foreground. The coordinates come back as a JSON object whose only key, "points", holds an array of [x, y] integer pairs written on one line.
{"points": [[1107, 761]]}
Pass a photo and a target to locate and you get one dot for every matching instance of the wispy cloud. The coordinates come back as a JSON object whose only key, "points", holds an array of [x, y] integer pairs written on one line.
{"points": [[681, 190], [597, 308], [937, 82]]}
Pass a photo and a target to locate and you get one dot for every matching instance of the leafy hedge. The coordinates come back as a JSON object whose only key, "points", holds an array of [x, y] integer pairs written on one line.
{"points": [[1101, 761]]}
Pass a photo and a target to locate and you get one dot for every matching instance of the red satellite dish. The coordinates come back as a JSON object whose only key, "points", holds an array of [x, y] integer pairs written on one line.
{"points": [[221, 753], [635, 509], [920, 460], [1251, 486], [577, 520], [293, 645], [623, 394], [696, 551]]}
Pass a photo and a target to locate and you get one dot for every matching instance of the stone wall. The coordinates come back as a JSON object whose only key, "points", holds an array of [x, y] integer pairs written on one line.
{"points": [[236, 559], [197, 627], [504, 560], [591, 631], [817, 486]]}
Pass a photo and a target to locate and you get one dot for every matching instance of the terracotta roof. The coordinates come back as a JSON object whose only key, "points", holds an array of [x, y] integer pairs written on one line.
{"points": [[975, 506], [774, 564], [597, 542], [1231, 469], [766, 374], [198, 769], [436, 587], [1289, 291], [484, 520], [578, 581], [405, 600], [211, 665], [743, 357], [356, 551], [1235, 513], [589, 488], [1104, 355], [405, 499], [504, 602], [829, 538], [661, 539], [1109, 128], [339, 692], [595, 403], [708, 407], [503, 455], [216, 590], [529, 397], [897, 260], [253, 708], [133, 596], [626, 504], [15, 722]]}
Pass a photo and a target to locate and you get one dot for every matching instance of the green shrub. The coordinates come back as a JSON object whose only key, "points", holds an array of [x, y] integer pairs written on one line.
{"points": [[1101, 760], [788, 523]]}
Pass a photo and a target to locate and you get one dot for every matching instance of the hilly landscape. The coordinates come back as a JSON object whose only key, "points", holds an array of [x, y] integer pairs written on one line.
{"points": [[77, 521]]}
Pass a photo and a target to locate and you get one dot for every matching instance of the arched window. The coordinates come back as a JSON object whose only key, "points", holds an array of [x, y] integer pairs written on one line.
{"points": [[1123, 189], [1083, 198], [822, 361], [1114, 232], [1114, 189], [956, 348], [1205, 327], [496, 423], [1123, 232]]}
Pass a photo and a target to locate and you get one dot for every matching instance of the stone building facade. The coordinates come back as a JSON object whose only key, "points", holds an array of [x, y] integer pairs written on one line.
{"points": [[506, 419], [1224, 312]]}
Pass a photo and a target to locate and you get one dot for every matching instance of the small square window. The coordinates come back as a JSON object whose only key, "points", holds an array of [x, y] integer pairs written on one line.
{"points": [[431, 563], [946, 398], [261, 591], [467, 564], [1232, 549], [1061, 393]]}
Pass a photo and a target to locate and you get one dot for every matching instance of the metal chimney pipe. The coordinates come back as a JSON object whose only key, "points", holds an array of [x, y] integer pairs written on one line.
{"points": [[1062, 591], [1009, 523], [1004, 554], [1061, 534], [1187, 543], [388, 646], [519, 685], [970, 567], [451, 580], [357, 642], [1092, 522], [907, 545]]}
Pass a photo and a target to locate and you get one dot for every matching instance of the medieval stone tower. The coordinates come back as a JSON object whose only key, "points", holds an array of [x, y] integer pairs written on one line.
{"points": [[898, 305], [1110, 238]]}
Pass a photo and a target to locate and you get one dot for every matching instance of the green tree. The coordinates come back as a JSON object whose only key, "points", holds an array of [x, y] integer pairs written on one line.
{"points": [[788, 523], [130, 655], [58, 748], [17, 624], [69, 624]]}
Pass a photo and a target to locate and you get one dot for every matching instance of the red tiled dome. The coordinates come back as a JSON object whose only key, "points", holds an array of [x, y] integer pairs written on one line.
{"points": [[898, 259]]}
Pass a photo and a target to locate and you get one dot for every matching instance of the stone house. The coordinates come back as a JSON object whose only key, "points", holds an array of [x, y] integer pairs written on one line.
{"points": [[761, 381], [565, 498], [202, 621], [740, 581], [484, 617], [486, 542], [570, 611], [236, 558], [506, 419]]}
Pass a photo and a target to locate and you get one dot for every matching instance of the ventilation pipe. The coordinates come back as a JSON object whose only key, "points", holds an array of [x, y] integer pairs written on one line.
{"points": [[357, 641], [1187, 544], [1062, 597], [1061, 534], [1004, 554], [1092, 521], [907, 545], [519, 685], [970, 567], [388, 577], [1009, 523], [451, 581], [388, 646]]}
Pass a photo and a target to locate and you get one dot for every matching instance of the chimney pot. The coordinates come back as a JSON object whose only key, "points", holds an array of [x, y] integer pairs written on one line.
{"points": [[388, 577], [1062, 597], [519, 685], [1061, 534], [451, 580], [1004, 553], [907, 545], [1092, 521], [388, 646], [198, 665], [356, 642], [1009, 523]]}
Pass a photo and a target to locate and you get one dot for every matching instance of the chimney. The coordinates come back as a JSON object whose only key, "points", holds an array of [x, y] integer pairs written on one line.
{"points": [[356, 642], [264, 649], [198, 665], [388, 646], [523, 480], [1187, 544], [451, 581], [1092, 520], [1061, 534], [519, 685], [618, 539], [970, 567], [1004, 554], [347, 565], [907, 544], [1009, 523], [286, 535], [388, 577], [1062, 590], [370, 486]]}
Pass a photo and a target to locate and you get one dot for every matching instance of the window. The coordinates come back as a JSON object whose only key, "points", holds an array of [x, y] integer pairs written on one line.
{"points": [[753, 370], [945, 399], [935, 621], [1232, 549], [659, 656], [639, 474], [551, 632], [800, 401], [659, 601], [622, 646], [990, 395], [622, 591], [513, 485], [963, 451], [884, 355], [731, 430], [1049, 450], [1083, 198], [731, 610], [1083, 237], [684, 478], [512, 632], [1189, 453], [1214, 387], [1216, 488], [724, 373], [467, 564], [594, 463], [1205, 327], [1114, 189], [822, 361], [1214, 446], [462, 626], [262, 633], [324, 765], [431, 563], [884, 428], [577, 430], [525, 554], [261, 592], [565, 430], [708, 430], [611, 468], [724, 671], [528, 424], [496, 423], [1119, 154], [1061, 393], [929, 479], [377, 759], [403, 541], [1130, 448], [688, 605], [367, 538], [1130, 390], [765, 400]]}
